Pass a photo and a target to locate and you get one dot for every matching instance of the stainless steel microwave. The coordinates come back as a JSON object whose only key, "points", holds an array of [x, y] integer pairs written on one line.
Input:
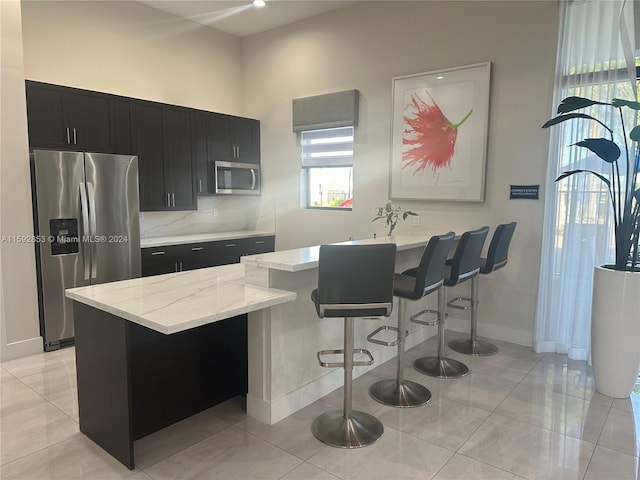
{"points": [[233, 178]]}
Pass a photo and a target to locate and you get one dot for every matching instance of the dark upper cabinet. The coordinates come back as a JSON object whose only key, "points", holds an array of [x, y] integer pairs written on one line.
{"points": [[70, 119], [178, 158], [245, 136], [122, 130], [176, 146], [233, 139], [199, 137], [162, 140]]}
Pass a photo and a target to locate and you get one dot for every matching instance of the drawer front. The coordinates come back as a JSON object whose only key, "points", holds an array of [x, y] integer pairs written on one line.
{"points": [[159, 260]]}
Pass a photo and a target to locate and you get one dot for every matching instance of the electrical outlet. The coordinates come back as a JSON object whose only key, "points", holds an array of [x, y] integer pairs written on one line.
{"points": [[215, 212], [416, 221]]}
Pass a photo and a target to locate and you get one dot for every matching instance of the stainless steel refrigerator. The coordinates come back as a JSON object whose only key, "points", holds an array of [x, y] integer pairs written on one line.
{"points": [[86, 216]]}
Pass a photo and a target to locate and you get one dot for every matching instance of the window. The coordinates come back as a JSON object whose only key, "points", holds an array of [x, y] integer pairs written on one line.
{"points": [[327, 171]]}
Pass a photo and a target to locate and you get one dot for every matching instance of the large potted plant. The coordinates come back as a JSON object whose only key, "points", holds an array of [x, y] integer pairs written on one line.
{"points": [[615, 317]]}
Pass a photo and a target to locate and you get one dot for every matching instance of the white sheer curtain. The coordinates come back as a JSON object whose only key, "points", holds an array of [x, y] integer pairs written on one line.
{"points": [[595, 60]]}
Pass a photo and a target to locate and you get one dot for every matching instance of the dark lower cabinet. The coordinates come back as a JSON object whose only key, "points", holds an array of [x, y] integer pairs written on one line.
{"points": [[178, 258]]}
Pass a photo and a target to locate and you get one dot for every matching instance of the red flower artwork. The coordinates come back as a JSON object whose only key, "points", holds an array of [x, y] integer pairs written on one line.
{"points": [[429, 136]]}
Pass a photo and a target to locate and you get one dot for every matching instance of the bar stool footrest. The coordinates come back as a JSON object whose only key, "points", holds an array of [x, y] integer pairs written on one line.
{"points": [[414, 318], [360, 363], [461, 303], [393, 343]]}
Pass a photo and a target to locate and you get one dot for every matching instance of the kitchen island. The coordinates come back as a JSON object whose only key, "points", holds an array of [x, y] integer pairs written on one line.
{"points": [[284, 374], [152, 351]]}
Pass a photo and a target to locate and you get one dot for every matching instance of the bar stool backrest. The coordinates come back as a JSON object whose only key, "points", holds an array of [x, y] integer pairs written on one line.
{"points": [[498, 248], [430, 272], [355, 280], [465, 262]]}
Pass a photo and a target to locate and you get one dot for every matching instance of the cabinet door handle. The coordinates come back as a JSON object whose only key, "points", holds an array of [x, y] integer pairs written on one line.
{"points": [[159, 252], [75, 136], [199, 185], [196, 249], [173, 199], [180, 265], [258, 242], [230, 245], [68, 136], [168, 199]]}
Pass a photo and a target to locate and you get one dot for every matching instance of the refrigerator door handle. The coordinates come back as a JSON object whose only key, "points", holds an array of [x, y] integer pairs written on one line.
{"points": [[92, 227], [84, 210]]}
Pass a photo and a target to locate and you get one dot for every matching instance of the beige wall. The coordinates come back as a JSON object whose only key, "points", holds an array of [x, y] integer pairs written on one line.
{"points": [[19, 333], [130, 49], [364, 47]]}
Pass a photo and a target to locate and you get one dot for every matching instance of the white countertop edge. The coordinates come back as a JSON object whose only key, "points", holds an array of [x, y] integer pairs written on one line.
{"points": [[275, 297], [200, 237], [305, 258]]}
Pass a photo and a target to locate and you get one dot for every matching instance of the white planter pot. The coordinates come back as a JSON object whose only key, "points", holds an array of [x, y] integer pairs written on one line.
{"points": [[615, 331]]}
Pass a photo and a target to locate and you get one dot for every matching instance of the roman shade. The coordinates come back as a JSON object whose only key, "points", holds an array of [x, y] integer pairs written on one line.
{"points": [[331, 110]]}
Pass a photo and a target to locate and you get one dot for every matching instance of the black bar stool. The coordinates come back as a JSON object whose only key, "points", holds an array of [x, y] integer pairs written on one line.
{"points": [[496, 258], [353, 281], [464, 265], [413, 284]]}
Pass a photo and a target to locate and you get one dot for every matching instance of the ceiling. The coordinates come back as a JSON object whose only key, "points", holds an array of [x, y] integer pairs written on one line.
{"points": [[240, 17]]}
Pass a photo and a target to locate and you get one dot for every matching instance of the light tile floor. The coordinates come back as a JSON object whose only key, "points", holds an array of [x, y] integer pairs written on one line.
{"points": [[516, 415]]}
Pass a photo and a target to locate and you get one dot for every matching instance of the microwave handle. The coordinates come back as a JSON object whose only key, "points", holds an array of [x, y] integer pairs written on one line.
{"points": [[253, 179]]}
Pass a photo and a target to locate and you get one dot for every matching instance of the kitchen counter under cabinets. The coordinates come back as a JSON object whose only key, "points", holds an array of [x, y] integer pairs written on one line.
{"points": [[188, 252]]}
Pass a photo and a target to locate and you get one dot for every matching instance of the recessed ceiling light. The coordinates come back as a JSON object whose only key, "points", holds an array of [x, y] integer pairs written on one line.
{"points": [[259, 3], [439, 77]]}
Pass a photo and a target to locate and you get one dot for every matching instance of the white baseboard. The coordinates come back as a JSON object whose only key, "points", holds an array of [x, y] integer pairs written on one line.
{"points": [[23, 348]]}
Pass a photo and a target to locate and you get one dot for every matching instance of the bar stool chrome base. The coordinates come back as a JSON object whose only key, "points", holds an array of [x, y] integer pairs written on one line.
{"points": [[441, 367], [473, 347], [405, 394], [359, 429]]}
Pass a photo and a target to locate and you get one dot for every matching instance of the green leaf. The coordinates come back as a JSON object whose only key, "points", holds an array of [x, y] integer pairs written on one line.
{"points": [[570, 116], [564, 118], [619, 102], [602, 147], [573, 172], [634, 134], [570, 104]]}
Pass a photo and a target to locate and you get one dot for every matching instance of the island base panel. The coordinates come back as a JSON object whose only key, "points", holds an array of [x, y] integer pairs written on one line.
{"points": [[102, 365], [133, 381], [175, 376]]}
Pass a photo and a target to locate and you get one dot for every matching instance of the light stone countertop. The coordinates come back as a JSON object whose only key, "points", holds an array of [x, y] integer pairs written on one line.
{"points": [[180, 301], [305, 258], [200, 237]]}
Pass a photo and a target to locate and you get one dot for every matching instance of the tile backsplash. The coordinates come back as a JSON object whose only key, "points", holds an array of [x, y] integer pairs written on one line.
{"points": [[214, 214]]}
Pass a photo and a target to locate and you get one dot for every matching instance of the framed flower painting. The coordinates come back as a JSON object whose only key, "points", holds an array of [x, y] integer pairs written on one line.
{"points": [[439, 134]]}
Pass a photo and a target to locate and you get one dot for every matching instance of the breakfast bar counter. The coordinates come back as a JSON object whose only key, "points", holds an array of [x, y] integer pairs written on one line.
{"points": [[284, 374]]}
